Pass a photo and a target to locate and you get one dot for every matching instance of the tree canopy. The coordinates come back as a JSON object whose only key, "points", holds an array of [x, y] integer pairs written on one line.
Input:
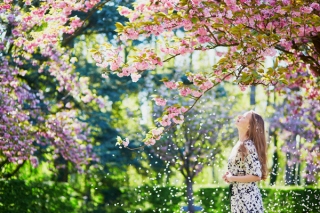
{"points": [[250, 31], [38, 84]]}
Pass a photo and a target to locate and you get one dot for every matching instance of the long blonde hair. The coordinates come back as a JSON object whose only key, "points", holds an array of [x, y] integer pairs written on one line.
{"points": [[256, 133]]}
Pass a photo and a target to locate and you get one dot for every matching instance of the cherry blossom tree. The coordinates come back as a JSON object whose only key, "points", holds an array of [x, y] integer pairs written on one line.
{"points": [[31, 35], [298, 122], [195, 144], [250, 30]]}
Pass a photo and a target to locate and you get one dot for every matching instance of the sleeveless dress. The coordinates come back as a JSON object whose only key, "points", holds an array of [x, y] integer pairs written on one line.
{"points": [[246, 197]]}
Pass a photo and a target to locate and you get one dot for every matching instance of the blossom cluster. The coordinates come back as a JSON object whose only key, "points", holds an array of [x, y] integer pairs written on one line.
{"points": [[26, 120], [251, 30], [299, 117], [152, 136]]}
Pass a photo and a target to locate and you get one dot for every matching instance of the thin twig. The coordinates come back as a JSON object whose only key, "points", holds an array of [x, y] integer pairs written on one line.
{"points": [[101, 4], [197, 99]]}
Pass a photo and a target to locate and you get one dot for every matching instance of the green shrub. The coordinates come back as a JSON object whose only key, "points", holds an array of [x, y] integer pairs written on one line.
{"points": [[147, 199], [275, 200], [17, 196], [36, 197], [291, 200], [215, 200]]}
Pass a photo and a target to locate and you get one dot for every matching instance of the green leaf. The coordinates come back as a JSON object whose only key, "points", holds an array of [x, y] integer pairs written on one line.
{"points": [[247, 79], [161, 14], [283, 80], [235, 30], [276, 63], [183, 2], [217, 25], [94, 51], [107, 45], [297, 19], [158, 120], [260, 70], [189, 74], [270, 71], [194, 20], [282, 70], [119, 27], [164, 79], [222, 60]]}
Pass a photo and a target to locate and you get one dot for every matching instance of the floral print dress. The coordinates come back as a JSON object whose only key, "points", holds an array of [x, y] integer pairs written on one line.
{"points": [[246, 197]]}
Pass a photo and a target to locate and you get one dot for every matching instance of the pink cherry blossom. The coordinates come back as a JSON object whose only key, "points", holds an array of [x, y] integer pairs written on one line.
{"points": [[170, 84], [315, 6], [135, 77], [173, 114], [178, 120], [126, 71], [196, 2], [34, 161], [157, 131], [11, 18], [206, 85], [196, 93], [114, 66], [185, 91], [125, 143], [76, 22], [183, 109], [306, 9], [104, 76], [142, 65], [165, 121], [124, 11], [150, 142], [160, 101], [270, 52]]}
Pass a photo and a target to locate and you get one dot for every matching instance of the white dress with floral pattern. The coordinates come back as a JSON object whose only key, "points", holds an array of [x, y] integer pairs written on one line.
{"points": [[246, 197]]}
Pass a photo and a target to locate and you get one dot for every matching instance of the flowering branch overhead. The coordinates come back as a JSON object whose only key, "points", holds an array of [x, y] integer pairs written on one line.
{"points": [[251, 30]]}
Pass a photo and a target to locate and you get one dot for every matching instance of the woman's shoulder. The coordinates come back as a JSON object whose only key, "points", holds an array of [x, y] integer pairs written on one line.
{"points": [[249, 145]]}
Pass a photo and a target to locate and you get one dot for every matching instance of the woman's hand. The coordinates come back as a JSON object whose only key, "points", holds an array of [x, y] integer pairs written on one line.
{"points": [[226, 177], [229, 177]]}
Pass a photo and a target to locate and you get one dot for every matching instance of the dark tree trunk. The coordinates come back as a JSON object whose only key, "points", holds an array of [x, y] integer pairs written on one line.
{"points": [[298, 179], [298, 168], [275, 161], [63, 173], [289, 171], [275, 156], [253, 95], [293, 171], [189, 183]]}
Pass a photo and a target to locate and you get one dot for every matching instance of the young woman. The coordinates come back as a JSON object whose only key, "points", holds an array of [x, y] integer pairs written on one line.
{"points": [[247, 164]]}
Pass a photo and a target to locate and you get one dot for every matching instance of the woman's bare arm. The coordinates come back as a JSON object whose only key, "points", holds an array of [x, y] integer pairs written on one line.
{"points": [[243, 179]]}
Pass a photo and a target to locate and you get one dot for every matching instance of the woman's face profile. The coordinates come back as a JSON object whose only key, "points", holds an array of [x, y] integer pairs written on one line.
{"points": [[243, 120]]}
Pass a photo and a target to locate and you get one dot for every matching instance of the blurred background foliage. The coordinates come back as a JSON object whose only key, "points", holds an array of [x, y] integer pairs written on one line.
{"points": [[151, 179]]}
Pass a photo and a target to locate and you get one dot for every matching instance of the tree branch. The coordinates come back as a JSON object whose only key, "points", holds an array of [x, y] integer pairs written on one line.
{"points": [[4, 162], [83, 26], [9, 175]]}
